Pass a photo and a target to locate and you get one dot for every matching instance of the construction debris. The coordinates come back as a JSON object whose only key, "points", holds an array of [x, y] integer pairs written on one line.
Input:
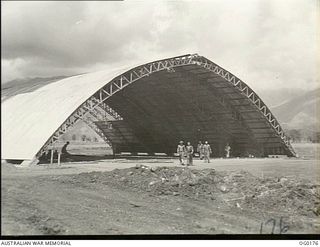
{"points": [[237, 189]]}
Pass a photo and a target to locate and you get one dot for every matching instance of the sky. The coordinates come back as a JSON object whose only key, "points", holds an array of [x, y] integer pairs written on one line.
{"points": [[269, 44]]}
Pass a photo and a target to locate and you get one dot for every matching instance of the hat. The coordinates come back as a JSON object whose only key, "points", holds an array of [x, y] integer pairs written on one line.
{"points": [[181, 142]]}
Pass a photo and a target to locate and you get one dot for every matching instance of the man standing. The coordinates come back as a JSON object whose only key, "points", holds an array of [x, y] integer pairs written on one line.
{"points": [[206, 152], [64, 151], [181, 150], [189, 150], [200, 150], [227, 149]]}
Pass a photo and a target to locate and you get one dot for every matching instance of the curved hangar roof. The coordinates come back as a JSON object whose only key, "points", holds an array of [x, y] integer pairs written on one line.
{"points": [[148, 108]]}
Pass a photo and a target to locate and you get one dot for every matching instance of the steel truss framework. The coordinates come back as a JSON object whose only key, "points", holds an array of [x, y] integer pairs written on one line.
{"points": [[245, 90], [92, 109]]}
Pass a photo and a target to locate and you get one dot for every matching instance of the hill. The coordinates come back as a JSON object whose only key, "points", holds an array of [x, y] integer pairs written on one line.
{"points": [[300, 112]]}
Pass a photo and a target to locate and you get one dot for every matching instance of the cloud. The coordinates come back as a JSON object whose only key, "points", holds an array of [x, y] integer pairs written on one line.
{"points": [[267, 43]]}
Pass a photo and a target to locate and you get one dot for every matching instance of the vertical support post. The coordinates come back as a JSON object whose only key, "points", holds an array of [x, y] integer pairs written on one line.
{"points": [[51, 159], [59, 156], [114, 150]]}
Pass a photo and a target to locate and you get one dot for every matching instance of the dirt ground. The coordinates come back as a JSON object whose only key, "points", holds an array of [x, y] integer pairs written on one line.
{"points": [[158, 196]]}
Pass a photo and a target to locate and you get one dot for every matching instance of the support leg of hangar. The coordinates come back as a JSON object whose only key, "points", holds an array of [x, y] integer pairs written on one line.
{"points": [[28, 163]]}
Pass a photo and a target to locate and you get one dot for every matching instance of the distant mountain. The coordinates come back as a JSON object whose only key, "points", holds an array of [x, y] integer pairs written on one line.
{"points": [[279, 96], [300, 112]]}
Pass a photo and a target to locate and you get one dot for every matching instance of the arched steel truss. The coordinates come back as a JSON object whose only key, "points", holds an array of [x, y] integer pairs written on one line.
{"points": [[92, 109]]}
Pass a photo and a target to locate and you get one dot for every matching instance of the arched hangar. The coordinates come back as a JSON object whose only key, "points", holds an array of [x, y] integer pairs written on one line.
{"points": [[146, 108]]}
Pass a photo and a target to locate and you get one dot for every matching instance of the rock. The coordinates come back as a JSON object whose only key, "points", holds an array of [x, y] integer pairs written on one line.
{"points": [[193, 183], [274, 186], [223, 188], [176, 193], [175, 184], [283, 181], [134, 205], [129, 173], [152, 183], [238, 175], [56, 228], [198, 225], [178, 209], [316, 210]]}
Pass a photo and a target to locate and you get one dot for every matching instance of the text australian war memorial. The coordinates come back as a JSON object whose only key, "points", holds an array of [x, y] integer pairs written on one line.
{"points": [[147, 108]]}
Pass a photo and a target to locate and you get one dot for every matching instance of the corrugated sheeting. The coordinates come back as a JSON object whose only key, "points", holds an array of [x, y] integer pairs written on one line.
{"points": [[29, 119]]}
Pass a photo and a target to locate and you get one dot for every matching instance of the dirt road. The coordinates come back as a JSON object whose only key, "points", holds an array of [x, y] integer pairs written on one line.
{"points": [[55, 200]]}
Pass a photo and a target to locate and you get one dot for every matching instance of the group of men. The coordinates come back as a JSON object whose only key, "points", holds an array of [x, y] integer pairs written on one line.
{"points": [[204, 151], [186, 152]]}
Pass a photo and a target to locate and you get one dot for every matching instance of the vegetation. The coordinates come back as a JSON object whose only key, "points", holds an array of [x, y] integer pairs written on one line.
{"points": [[301, 135]]}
